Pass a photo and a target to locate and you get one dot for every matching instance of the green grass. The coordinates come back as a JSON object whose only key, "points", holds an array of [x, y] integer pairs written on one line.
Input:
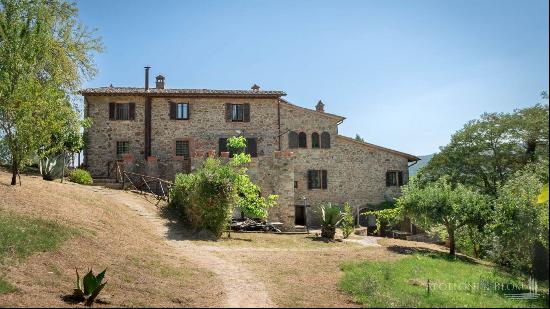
{"points": [[453, 283], [6, 287], [21, 236]]}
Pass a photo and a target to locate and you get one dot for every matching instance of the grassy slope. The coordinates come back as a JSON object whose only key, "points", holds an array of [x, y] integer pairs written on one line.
{"points": [[47, 229], [21, 236], [453, 283]]}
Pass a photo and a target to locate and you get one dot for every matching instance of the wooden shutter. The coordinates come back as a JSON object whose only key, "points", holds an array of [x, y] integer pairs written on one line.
{"points": [[112, 107], [325, 140], [252, 147], [131, 111], [228, 111], [324, 180], [246, 112], [310, 179], [188, 110], [400, 178], [388, 182], [173, 108], [222, 145]]}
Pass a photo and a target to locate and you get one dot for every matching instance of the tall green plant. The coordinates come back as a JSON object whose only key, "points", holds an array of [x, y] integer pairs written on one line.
{"points": [[330, 216], [45, 54], [208, 197], [347, 221]]}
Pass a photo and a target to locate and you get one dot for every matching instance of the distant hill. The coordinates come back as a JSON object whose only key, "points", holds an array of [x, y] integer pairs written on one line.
{"points": [[423, 161]]}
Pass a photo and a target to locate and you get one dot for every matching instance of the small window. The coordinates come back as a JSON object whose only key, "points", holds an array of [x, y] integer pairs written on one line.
{"points": [[394, 178], [182, 149], [182, 111], [317, 179], [122, 111], [315, 140], [237, 112], [302, 140], [122, 148], [295, 184]]}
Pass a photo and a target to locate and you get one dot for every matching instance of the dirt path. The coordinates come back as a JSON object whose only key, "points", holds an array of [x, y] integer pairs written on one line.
{"points": [[242, 287]]}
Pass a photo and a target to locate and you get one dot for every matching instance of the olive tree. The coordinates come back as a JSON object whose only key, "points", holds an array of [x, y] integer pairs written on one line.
{"points": [[439, 203]]}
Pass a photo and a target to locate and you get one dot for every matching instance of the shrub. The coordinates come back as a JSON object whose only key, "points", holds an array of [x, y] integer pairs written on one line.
{"points": [[330, 218], [347, 221], [206, 198], [80, 176]]}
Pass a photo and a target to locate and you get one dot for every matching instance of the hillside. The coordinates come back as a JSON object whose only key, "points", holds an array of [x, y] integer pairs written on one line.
{"points": [[423, 161], [49, 229]]}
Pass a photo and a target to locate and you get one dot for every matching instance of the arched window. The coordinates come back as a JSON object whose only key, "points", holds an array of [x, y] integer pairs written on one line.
{"points": [[325, 140], [292, 140], [315, 142], [302, 140]]}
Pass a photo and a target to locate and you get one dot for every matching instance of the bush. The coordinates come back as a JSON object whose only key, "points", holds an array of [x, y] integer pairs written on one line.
{"points": [[330, 216], [206, 198], [80, 176], [347, 221]]}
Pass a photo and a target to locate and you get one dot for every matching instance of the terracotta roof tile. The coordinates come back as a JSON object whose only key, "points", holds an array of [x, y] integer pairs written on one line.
{"points": [[175, 91]]}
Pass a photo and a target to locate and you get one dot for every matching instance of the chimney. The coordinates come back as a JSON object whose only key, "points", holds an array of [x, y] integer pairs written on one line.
{"points": [[160, 82], [320, 107], [147, 78], [255, 88]]}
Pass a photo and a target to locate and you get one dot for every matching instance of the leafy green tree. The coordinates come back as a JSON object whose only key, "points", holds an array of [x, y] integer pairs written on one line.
{"points": [[520, 221], [439, 203], [346, 224], [487, 151], [45, 54], [359, 138]]}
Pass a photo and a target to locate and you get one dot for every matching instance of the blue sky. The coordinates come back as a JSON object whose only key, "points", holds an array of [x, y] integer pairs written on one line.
{"points": [[405, 74]]}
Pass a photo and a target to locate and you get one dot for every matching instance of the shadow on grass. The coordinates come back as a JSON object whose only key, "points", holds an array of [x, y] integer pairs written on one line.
{"points": [[431, 253], [320, 239]]}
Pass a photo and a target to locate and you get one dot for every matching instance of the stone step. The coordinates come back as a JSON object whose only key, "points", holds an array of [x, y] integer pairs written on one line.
{"points": [[110, 185]]}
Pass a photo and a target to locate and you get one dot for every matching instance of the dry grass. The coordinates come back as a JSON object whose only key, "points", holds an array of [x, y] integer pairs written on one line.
{"points": [[142, 269]]}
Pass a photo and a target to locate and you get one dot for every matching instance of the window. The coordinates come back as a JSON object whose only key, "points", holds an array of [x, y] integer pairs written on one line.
{"points": [[182, 149], [302, 140], [122, 148], [122, 111], [237, 112], [251, 147], [179, 111], [315, 140], [295, 184], [325, 140], [394, 178], [292, 140], [317, 179]]}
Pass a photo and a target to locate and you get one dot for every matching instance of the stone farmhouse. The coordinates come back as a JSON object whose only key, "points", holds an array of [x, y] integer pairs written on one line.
{"points": [[296, 152]]}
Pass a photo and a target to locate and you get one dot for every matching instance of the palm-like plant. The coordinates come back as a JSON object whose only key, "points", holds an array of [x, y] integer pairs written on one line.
{"points": [[330, 218]]}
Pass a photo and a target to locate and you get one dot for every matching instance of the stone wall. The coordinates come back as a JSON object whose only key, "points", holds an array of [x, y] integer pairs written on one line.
{"points": [[356, 171], [103, 134]]}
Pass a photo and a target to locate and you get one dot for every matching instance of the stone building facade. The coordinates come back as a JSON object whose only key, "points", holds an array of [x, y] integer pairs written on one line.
{"points": [[297, 152]]}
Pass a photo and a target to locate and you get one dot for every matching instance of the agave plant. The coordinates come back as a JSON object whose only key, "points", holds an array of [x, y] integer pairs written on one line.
{"points": [[330, 218], [90, 287]]}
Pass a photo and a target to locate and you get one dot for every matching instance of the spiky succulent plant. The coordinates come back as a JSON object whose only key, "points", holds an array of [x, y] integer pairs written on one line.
{"points": [[90, 287]]}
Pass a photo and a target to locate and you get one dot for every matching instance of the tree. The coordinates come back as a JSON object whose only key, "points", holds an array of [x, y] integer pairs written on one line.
{"points": [[359, 138], [45, 54], [487, 151], [520, 221], [438, 203]]}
